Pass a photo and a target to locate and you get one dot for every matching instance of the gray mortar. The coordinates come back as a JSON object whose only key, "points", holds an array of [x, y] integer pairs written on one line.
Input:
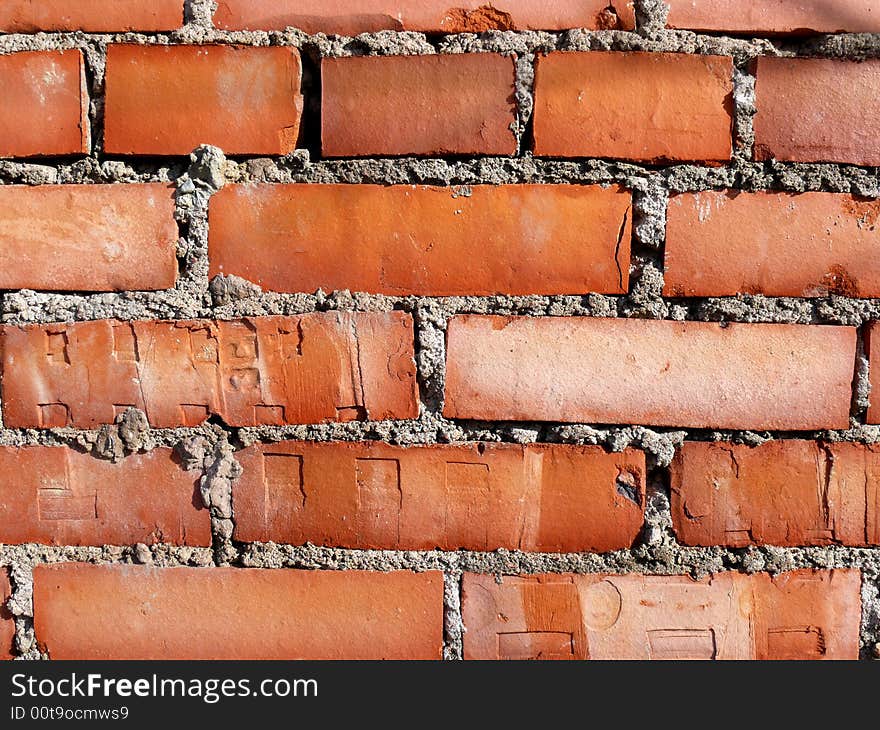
{"points": [[211, 447]]}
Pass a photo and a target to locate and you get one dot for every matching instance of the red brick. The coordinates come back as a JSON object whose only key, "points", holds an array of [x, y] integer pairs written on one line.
{"points": [[351, 17], [817, 110], [548, 498], [872, 350], [508, 239], [776, 244], [649, 107], [167, 100], [45, 109], [798, 615], [339, 366], [458, 104], [775, 16], [92, 16], [88, 237], [7, 625], [780, 493], [651, 372], [58, 496], [235, 613]]}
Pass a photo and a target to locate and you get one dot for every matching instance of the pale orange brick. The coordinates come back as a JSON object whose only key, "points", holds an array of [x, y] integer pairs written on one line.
{"points": [[92, 16]]}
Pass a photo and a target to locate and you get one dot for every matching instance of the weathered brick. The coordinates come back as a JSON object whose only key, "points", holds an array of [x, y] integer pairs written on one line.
{"points": [[776, 244], [59, 496], [661, 373], [88, 237], [7, 625], [45, 109], [799, 615], [235, 613], [637, 106], [872, 350], [368, 495], [458, 104], [351, 17], [167, 100], [338, 366], [509, 239], [92, 16], [775, 16], [780, 493], [817, 110]]}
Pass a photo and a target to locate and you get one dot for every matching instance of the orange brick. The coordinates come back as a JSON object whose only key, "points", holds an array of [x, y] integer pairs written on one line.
{"points": [[478, 497], [92, 16], [458, 104], [351, 17], [872, 350], [167, 100], [774, 244], [235, 613], [817, 110], [659, 373], [45, 109], [58, 496], [799, 615], [649, 107], [339, 366], [780, 493], [775, 16], [7, 625], [88, 237], [509, 239]]}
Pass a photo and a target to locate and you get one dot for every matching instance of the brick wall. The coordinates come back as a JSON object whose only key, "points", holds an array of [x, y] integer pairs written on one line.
{"points": [[378, 329]]}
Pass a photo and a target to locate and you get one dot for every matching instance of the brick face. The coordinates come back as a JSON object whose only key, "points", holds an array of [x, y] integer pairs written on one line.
{"points": [[45, 104], [88, 237], [233, 613], [58, 496], [776, 244], [636, 106], [817, 110], [564, 239], [163, 100], [798, 615], [775, 16], [786, 493], [7, 626], [661, 373], [549, 498], [872, 350], [350, 17], [93, 16], [461, 104], [268, 370]]}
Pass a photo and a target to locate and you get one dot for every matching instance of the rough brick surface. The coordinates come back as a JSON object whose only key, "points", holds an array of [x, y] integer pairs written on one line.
{"points": [[164, 100], [797, 615], [663, 373], [549, 498], [775, 16], [817, 110], [350, 17], [562, 239], [45, 104], [59, 496], [721, 243], [93, 16], [872, 350], [233, 613], [88, 237], [780, 493], [270, 370], [636, 106], [459, 104], [7, 626]]}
